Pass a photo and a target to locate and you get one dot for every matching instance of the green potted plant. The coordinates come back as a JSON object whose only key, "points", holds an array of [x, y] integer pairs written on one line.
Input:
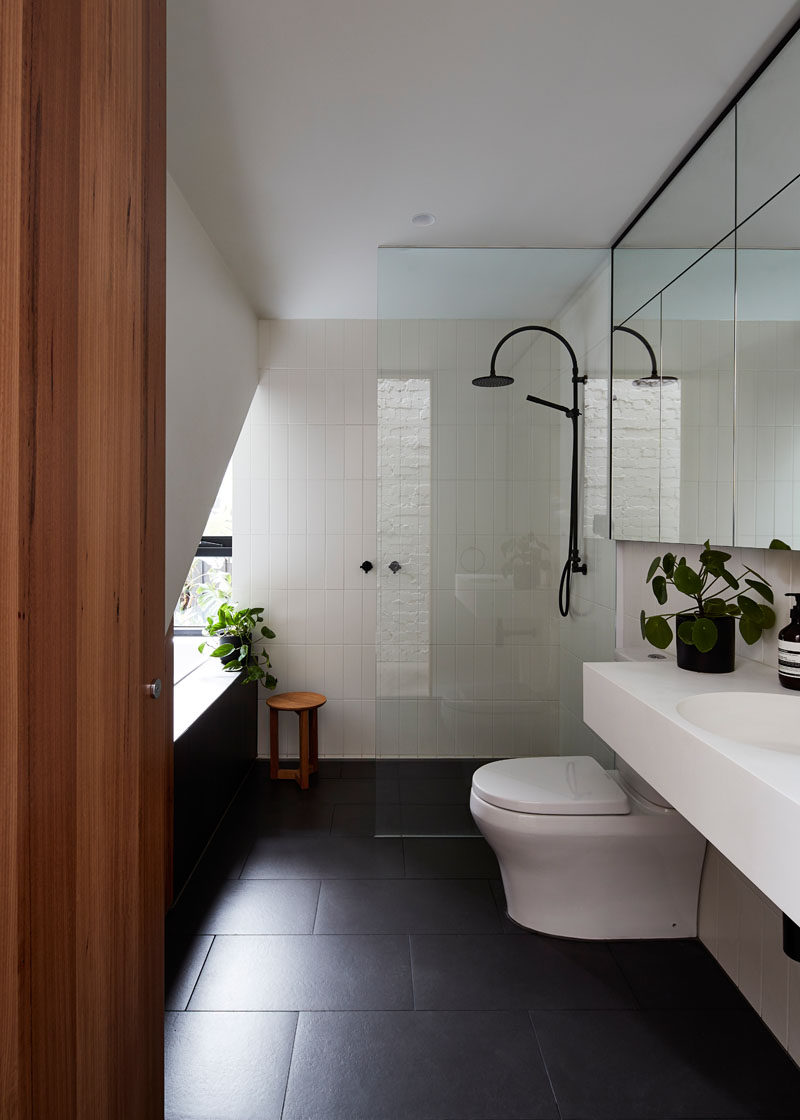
{"points": [[233, 629], [706, 627]]}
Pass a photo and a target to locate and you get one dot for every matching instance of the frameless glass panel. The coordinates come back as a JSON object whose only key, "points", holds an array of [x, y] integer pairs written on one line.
{"points": [[768, 374], [694, 213], [696, 495], [471, 501], [768, 132]]}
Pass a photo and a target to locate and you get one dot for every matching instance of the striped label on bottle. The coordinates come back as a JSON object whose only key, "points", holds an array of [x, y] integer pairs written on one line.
{"points": [[789, 659]]}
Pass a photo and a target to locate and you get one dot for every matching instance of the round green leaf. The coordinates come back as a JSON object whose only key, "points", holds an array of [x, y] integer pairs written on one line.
{"points": [[749, 630], [767, 617], [775, 543], [762, 588], [658, 632], [750, 608], [704, 634], [715, 607], [668, 563], [642, 620], [660, 589], [687, 581], [685, 633], [651, 571]]}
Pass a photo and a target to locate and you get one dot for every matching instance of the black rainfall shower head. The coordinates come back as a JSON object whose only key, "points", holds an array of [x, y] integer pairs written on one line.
{"points": [[493, 381]]}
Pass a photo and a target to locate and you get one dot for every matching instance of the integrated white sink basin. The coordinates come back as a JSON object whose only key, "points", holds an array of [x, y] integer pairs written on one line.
{"points": [[762, 719], [724, 750]]}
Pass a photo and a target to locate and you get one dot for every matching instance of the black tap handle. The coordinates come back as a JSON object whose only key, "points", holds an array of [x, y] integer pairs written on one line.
{"points": [[366, 566], [395, 567]]}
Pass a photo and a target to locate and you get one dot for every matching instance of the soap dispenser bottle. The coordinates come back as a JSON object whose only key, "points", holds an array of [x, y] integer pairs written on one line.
{"points": [[789, 647]]}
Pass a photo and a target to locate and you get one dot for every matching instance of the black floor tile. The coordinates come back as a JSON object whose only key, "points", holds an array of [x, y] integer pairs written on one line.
{"points": [[434, 791], [470, 765], [474, 972], [509, 926], [406, 906], [445, 857], [354, 820], [336, 791], [224, 1066], [306, 974], [430, 768], [361, 768], [437, 820], [655, 1064], [416, 1066], [675, 974], [183, 969], [260, 906], [301, 856], [300, 817]]}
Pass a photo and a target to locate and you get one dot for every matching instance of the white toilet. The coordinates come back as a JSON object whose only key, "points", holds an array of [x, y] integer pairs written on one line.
{"points": [[586, 852]]}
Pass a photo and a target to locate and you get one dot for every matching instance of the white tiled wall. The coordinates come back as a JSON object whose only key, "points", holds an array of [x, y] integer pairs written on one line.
{"points": [[768, 432], [588, 633], [304, 519], [737, 923], [487, 684], [743, 930]]}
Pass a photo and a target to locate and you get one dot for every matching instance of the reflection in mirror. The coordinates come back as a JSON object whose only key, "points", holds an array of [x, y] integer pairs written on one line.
{"points": [[695, 212], [697, 339], [768, 132], [636, 428], [768, 374], [672, 437]]}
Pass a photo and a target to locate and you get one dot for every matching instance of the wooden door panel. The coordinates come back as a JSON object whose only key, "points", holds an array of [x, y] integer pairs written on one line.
{"points": [[83, 758]]}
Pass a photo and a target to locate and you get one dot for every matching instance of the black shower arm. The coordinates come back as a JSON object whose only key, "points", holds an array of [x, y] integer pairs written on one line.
{"points": [[550, 404], [646, 345], [544, 330]]}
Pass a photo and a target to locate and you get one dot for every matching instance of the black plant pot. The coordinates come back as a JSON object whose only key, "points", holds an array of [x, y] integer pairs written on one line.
{"points": [[231, 639], [720, 659]]}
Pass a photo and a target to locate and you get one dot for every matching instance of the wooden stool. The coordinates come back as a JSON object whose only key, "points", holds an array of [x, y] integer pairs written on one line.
{"points": [[306, 705]]}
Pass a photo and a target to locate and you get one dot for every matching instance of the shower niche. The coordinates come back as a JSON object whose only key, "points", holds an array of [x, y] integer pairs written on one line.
{"points": [[473, 507]]}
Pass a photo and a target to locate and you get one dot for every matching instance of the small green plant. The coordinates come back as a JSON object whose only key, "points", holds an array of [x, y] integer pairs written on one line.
{"points": [[714, 592], [233, 627]]}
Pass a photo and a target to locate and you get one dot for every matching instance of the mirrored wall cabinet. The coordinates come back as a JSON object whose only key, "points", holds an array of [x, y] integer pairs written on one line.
{"points": [[705, 392]]}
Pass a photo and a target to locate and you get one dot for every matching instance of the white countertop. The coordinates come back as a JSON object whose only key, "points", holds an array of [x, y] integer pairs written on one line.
{"points": [[196, 692], [744, 799]]}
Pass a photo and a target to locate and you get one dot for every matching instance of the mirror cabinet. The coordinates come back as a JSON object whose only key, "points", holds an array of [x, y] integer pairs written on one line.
{"points": [[705, 383]]}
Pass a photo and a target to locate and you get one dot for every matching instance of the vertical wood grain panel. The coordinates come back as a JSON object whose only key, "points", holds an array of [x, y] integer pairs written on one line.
{"points": [[83, 756], [14, 975], [121, 745]]}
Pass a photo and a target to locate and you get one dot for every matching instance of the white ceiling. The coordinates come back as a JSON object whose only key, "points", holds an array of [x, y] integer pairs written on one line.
{"points": [[305, 133]]}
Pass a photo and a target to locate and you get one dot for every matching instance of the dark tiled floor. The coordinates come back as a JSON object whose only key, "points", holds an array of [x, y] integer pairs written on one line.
{"points": [[318, 973]]}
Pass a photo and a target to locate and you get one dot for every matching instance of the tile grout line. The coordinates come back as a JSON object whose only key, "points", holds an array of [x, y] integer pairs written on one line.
{"points": [[200, 971], [544, 1063], [316, 908], [291, 1059]]}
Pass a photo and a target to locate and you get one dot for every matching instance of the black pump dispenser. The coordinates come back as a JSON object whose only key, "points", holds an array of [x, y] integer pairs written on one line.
{"points": [[789, 647]]}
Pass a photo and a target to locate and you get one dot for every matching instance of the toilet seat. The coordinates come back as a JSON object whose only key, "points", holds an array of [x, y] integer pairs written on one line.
{"points": [[562, 785]]}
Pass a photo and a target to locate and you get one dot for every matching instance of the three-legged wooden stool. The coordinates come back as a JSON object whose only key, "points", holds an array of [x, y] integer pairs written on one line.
{"points": [[306, 705]]}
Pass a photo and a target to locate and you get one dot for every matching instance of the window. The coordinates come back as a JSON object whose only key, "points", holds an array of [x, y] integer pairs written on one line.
{"points": [[208, 581]]}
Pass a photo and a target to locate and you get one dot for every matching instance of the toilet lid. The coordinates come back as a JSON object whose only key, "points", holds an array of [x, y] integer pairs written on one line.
{"points": [[564, 785]]}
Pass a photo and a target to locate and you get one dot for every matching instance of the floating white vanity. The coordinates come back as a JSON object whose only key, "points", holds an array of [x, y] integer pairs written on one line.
{"points": [[723, 749]]}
